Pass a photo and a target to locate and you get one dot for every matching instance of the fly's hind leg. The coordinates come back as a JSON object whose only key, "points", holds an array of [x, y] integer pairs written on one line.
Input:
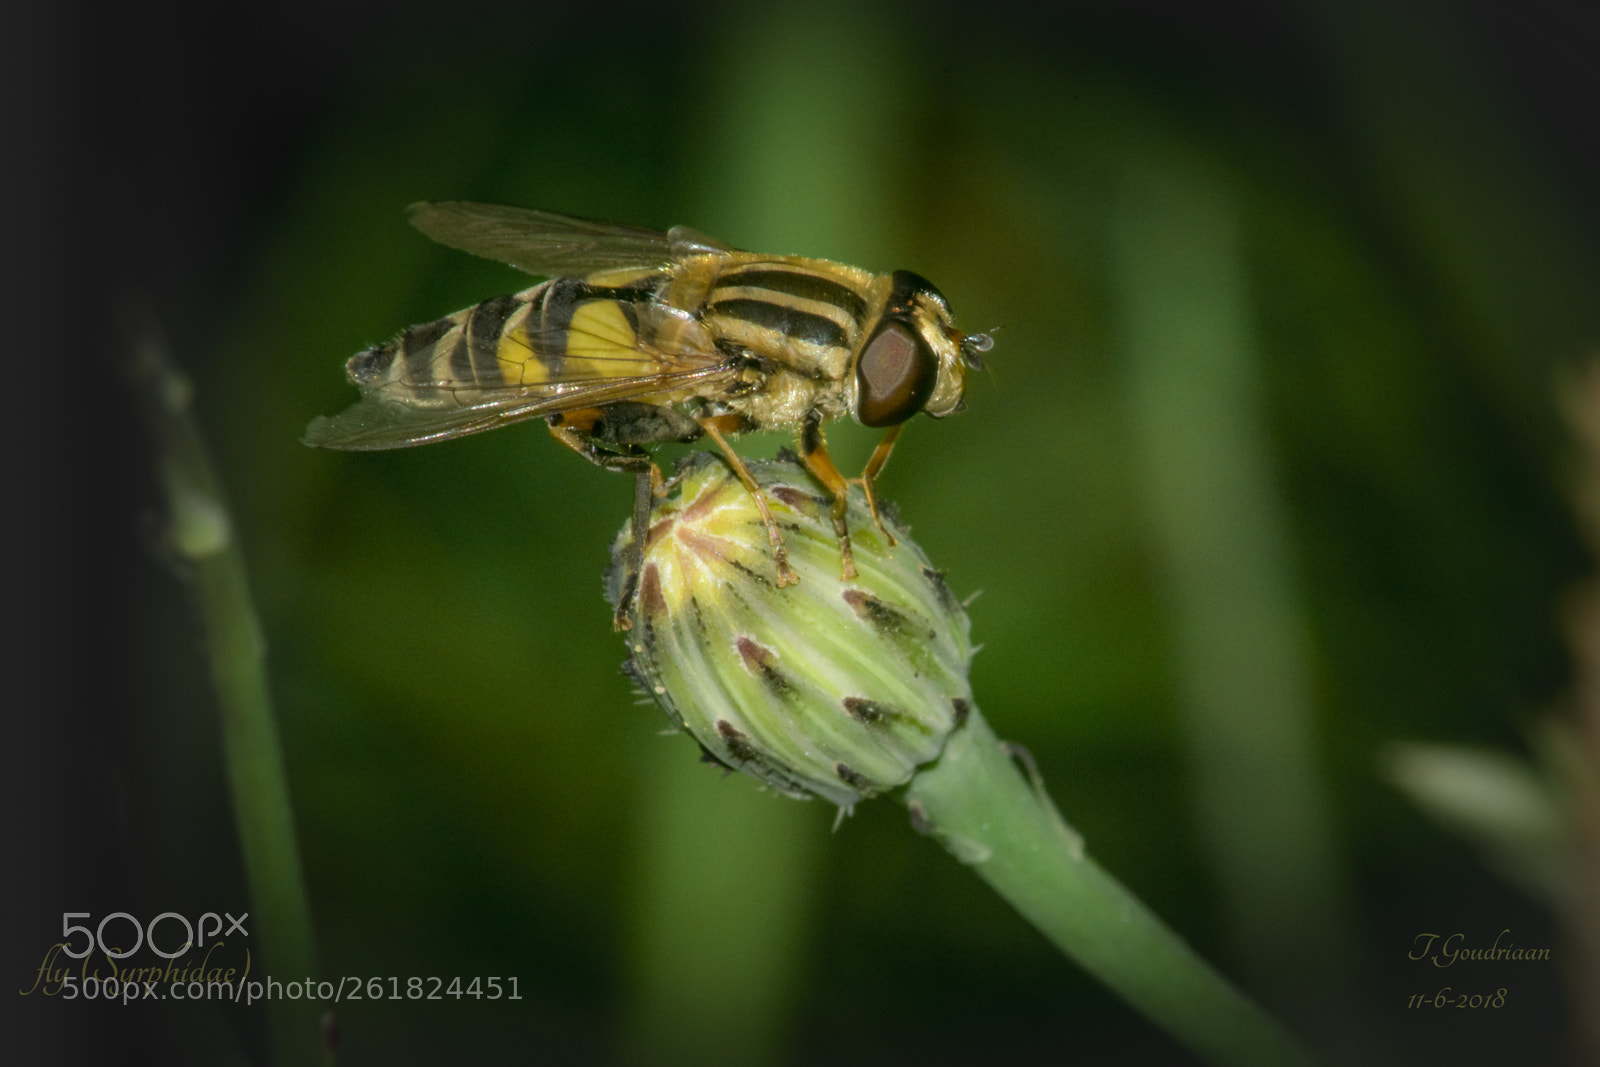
{"points": [[814, 450], [780, 555], [569, 428]]}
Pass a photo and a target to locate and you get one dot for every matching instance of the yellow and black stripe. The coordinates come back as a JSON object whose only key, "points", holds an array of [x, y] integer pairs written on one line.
{"points": [[571, 330], [562, 330], [767, 305]]}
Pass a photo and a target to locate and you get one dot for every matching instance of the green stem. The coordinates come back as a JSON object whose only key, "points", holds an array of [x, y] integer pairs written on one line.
{"points": [[200, 532], [979, 806]]}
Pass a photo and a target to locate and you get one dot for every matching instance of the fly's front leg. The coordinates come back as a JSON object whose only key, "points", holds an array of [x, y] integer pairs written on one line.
{"points": [[569, 428], [814, 450], [869, 477], [780, 555]]}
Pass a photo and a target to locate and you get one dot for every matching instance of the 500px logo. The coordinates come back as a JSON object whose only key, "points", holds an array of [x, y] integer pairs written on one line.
{"points": [[144, 933], [52, 978]]}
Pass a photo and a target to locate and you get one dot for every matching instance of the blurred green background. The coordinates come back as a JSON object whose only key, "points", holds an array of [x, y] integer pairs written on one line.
{"points": [[1267, 472]]}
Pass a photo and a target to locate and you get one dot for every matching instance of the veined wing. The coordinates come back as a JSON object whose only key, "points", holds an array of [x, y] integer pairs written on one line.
{"points": [[436, 383], [544, 243], [377, 421]]}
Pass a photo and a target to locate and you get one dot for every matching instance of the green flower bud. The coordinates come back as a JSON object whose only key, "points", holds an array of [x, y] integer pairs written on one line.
{"points": [[834, 689]]}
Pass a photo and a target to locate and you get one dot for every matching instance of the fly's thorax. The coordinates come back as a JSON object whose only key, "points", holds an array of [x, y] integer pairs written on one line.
{"points": [[806, 316]]}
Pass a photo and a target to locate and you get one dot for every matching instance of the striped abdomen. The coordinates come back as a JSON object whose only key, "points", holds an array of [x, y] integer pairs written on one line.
{"points": [[560, 331]]}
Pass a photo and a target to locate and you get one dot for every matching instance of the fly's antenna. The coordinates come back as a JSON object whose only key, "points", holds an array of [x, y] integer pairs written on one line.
{"points": [[974, 345]]}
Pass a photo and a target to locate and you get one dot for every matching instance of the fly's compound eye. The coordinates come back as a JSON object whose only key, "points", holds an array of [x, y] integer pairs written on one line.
{"points": [[895, 376]]}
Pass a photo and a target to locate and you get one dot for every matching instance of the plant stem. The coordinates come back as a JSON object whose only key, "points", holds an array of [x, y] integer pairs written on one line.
{"points": [[981, 808], [200, 533]]}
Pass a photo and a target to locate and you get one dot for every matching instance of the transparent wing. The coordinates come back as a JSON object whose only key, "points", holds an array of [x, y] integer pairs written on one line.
{"points": [[544, 243], [545, 373], [383, 420]]}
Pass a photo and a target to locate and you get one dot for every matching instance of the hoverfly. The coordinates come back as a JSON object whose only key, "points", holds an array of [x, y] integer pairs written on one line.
{"points": [[641, 337]]}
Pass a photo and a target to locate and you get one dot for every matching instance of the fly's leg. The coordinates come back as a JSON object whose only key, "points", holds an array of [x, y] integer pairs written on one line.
{"points": [[869, 477], [569, 428], [638, 535], [780, 555], [814, 450]]}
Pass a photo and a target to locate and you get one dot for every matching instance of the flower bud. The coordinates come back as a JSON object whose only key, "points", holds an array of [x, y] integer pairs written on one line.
{"points": [[827, 688]]}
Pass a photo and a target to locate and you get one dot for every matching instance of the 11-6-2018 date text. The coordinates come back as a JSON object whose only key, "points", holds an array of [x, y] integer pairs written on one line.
{"points": [[1448, 998]]}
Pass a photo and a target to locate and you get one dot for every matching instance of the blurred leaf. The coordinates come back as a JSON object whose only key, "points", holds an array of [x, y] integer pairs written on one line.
{"points": [[1497, 802]]}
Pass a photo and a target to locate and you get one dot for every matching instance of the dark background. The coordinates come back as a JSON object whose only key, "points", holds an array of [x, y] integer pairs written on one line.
{"points": [[1406, 196]]}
